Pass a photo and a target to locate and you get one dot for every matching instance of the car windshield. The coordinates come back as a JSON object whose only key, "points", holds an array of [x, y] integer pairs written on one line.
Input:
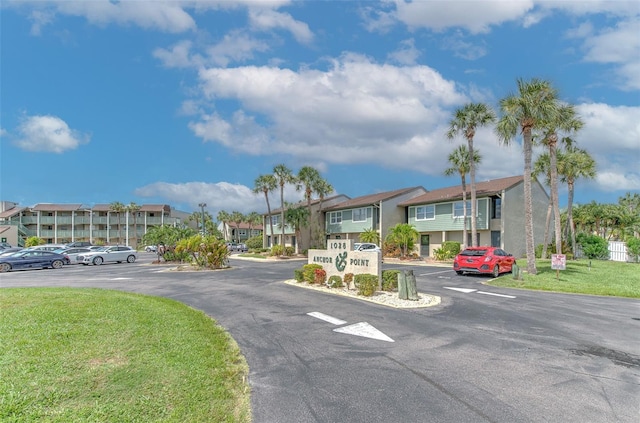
{"points": [[473, 252]]}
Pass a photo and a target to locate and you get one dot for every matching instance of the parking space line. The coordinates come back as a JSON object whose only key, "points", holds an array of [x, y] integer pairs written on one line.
{"points": [[434, 273], [496, 295], [326, 318]]}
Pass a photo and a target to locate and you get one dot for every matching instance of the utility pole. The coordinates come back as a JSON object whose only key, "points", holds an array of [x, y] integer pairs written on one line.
{"points": [[202, 206]]}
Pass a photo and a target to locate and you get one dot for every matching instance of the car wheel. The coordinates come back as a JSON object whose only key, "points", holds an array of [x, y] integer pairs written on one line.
{"points": [[5, 267], [131, 259], [98, 261], [57, 264], [496, 271], [458, 272]]}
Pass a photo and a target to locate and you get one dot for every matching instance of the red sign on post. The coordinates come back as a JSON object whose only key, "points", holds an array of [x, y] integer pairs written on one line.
{"points": [[558, 261]]}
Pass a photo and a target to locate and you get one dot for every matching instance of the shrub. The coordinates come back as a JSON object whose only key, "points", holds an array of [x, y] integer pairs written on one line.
{"points": [[633, 247], [206, 251], [319, 276], [289, 251], [335, 282], [348, 278], [32, 241], [254, 243], [390, 280], [366, 284], [308, 272], [451, 249], [539, 248], [298, 275], [277, 250], [593, 246]]}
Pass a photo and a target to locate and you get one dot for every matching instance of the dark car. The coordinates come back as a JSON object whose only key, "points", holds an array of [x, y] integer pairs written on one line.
{"points": [[490, 260], [9, 251], [31, 259]]}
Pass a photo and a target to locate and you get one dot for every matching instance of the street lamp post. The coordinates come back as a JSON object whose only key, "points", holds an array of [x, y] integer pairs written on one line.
{"points": [[202, 206]]}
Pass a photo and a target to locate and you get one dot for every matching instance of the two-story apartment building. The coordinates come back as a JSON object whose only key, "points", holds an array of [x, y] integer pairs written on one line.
{"points": [[63, 223], [378, 212], [438, 215], [239, 231]]}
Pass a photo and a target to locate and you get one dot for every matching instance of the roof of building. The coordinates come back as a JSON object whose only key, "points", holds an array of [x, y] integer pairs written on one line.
{"points": [[143, 207], [367, 200], [315, 201], [11, 212], [483, 189], [56, 207]]}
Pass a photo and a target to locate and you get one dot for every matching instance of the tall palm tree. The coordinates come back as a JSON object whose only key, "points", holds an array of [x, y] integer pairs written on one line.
{"points": [[266, 184], [576, 163], [224, 218], [296, 217], [460, 160], [529, 109], [541, 167], [284, 176], [308, 178], [253, 219], [237, 218], [322, 188], [465, 121], [133, 208], [565, 120], [117, 207]]}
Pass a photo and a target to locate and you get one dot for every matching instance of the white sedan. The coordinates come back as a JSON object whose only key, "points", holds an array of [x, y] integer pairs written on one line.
{"points": [[116, 254]]}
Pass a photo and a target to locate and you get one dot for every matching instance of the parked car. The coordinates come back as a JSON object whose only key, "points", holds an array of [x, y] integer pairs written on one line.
{"points": [[151, 248], [366, 246], [79, 244], [70, 254], [116, 254], [491, 260], [5, 245], [9, 251], [47, 247], [233, 246], [31, 259]]}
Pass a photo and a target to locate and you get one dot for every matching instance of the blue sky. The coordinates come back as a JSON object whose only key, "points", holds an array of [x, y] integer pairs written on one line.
{"points": [[183, 102]]}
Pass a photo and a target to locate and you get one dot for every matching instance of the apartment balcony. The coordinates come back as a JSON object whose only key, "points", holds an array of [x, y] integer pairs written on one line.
{"points": [[29, 220]]}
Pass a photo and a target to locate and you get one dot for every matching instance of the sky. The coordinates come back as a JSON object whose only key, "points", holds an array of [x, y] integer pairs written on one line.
{"points": [[188, 102]]}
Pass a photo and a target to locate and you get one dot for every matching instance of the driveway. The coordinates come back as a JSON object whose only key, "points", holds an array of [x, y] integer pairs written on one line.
{"points": [[483, 355]]}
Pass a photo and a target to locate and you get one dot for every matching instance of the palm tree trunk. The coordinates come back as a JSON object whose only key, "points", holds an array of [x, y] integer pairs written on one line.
{"points": [[472, 180], [546, 230], [528, 202], [553, 176], [570, 225], [266, 197], [282, 214], [464, 212]]}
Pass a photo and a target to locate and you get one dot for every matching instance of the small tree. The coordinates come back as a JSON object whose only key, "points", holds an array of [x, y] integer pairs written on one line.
{"points": [[594, 247], [370, 235], [405, 236], [633, 247], [32, 241]]}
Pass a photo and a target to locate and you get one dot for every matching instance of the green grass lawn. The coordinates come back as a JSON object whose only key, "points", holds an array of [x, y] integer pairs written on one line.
{"points": [[595, 277], [89, 355]]}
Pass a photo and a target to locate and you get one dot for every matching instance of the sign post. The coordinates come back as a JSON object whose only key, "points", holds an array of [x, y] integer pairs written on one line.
{"points": [[558, 263]]}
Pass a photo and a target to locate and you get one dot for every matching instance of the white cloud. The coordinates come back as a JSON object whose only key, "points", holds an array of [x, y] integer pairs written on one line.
{"points": [[236, 46], [406, 54], [48, 134], [218, 196], [463, 48], [265, 19]]}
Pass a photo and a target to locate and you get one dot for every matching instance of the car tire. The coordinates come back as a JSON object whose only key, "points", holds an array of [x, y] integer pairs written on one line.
{"points": [[131, 259], [57, 264], [5, 267], [98, 261], [458, 272], [496, 271]]}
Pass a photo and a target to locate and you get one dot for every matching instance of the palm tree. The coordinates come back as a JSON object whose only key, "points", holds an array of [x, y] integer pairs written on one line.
{"points": [[370, 235], [322, 188], [133, 208], [576, 163], [296, 217], [308, 178], [284, 176], [224, 218], [465, 122], [237, 218], [565, 120], [117, 207], [404, 235], [541, 167], [266, 184], [253, 219], [460, 160], [535, 104]]}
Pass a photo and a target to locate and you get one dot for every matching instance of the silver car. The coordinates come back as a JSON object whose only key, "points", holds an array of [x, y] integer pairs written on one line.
{"points": [[117, 254]]}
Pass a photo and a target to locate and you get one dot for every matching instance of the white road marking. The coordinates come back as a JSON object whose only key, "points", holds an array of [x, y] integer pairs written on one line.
{"points": [[496, 295], [434, 273], [365, 330], [326, 318], [120, 279], [465, 290]]}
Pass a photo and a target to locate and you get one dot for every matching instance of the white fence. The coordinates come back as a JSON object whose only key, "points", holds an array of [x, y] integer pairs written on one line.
{"points": [[617, 252]]}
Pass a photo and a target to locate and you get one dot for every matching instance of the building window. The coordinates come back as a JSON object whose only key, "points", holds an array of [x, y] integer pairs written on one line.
{"points": [[275, 219], [496, 207], [335, 217], [425, 213], [458, 209], [359, 215]]}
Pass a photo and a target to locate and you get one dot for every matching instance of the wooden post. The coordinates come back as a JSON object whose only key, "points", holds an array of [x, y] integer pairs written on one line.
{"points": [[412, 290]]}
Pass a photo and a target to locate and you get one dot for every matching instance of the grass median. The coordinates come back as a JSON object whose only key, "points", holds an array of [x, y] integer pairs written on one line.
{"points": [[75, 355], [594, 277]]}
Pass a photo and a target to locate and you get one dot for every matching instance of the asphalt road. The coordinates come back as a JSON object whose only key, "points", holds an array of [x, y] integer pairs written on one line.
{"points": [[484, 354]]}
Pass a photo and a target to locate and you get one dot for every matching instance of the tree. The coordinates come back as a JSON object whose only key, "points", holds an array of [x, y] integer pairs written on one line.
{"points": [[370, 235], [284, 176], [237, 218], [253, 219], [133, 208], [575, 163], [322, 188], [266, 184], [541, 166], [224, 218], [465, 121], [404, 235], [117, 207], [296, 218], [460, 160], [565, 120], [534, 104], [308, 179]]}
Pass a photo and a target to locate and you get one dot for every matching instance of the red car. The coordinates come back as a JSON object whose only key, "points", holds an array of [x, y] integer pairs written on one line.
{"points": [[490, 260]]}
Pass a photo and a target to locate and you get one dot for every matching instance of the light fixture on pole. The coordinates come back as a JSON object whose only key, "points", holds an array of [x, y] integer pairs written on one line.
{"points": [[202, 206]]}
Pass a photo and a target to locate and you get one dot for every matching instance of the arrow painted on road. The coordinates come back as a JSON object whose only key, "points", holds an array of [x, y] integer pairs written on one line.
{"points": [[465, 290], [326, 318], [365, 330], [496, 295]]}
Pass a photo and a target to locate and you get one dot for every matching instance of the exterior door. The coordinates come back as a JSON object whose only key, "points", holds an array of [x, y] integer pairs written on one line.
{"points": [[424, 245], [495, 239]]}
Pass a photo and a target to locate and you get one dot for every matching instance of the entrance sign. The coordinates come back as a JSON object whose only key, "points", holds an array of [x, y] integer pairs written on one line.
{"points": [[339, 258], [558, 262]]}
